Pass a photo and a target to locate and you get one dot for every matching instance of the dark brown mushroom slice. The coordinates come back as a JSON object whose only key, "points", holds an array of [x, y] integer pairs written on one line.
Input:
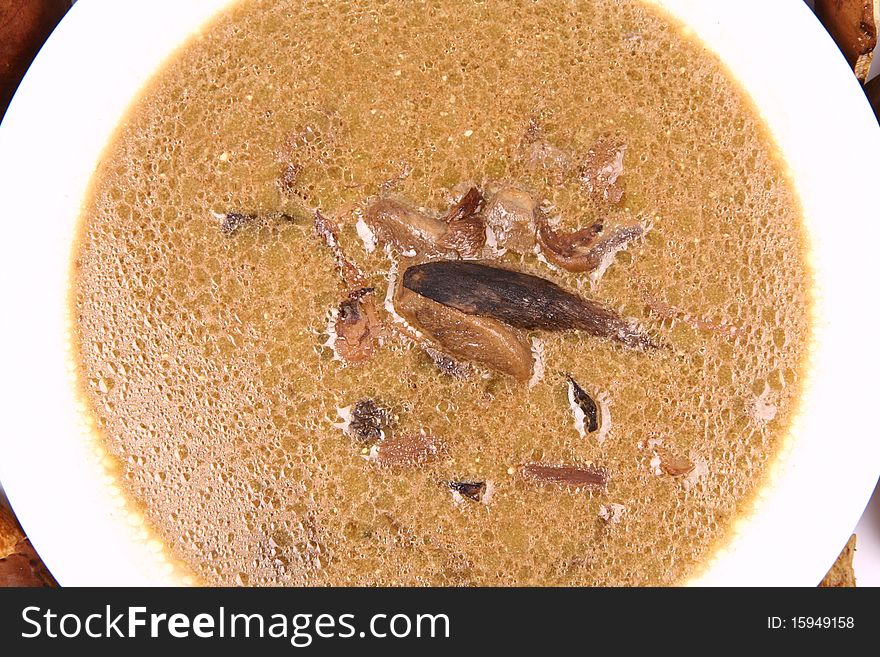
{"points": [[587, 249], [473, 490], [481, 340], [469, 204], [370, 422], [582, 399], [520, 300], [590, 477]]}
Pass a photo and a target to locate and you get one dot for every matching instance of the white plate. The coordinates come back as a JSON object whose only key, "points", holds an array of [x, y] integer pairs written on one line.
{"points": [[102, 53]]}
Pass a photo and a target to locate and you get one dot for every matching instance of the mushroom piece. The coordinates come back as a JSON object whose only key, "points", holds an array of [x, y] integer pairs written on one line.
{"points": [[232, 222], [510, 215], [673, 464], [601, 170], [357, 327], [473, 490], [587, 249], [853, 26], [462, 231], [368, 422], [518, 299], [405, 228], [590, 476], [406, 449], [584, 408], [479, 339]]}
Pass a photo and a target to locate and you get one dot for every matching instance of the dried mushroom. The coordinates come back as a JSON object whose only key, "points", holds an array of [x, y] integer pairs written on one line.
{"points": [[510, 215], [853, 26], [462, 231], [357, 327], [472, 490], [584, 408], [601, 170], [368, 422], [479, 339], [590, 477], [406, 449], [519, 300], [588, 249]]}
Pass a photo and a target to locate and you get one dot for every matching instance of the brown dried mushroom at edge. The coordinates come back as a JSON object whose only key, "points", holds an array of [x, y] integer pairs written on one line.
{"points": [[519, 300], [853, 26], [479, 339], [461, 231]]}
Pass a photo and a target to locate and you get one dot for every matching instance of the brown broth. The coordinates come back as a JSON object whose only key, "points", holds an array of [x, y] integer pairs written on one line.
{"points": [[200, 354]]}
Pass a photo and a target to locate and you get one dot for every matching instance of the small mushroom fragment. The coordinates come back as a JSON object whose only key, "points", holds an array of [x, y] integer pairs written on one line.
{"points": [[369, 422], [352, 276], [461, 231], [447, 365], [588, 249], [601, 170], [612, 513], [22, 567], [586, 412], [357, 327], [853, 26], [872, 91], [592, 477], [232, 222], [510, 215], [406, 449], [672, 313], [473, 490], [479, 339], [674, 464], [520, 300], [540, 154]]}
